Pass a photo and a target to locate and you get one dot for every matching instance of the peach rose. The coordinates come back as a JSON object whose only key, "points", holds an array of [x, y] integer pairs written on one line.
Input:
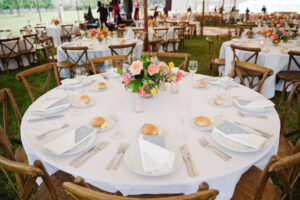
{"points": [[153, 69], [136, 67]]}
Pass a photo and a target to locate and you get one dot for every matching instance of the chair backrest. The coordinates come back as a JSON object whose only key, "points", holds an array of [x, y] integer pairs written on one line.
{"points": [[40, 31], [49, 67], [254, 51], [48, 44], [6, 99], [211, 48], [115, 48], [66, 30], [117, 62], [139, 33], [81, 191], [294, 92], [293, 59], [120, 32], [29, 41], [242, 28], [182, 56], [162, 33], [9, 47], [179, 33], [248, 71], [81, 54], [223, 38], [7, 31]]}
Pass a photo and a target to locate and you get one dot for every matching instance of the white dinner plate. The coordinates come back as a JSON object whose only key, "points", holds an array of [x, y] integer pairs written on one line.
{"points": [[234, 146], [195, 85], [77, 104], [93, 88], [133, 161], [211, 102], [110, 124], [84, 145]]}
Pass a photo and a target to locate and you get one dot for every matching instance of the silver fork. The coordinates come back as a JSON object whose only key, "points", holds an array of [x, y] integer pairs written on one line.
{"points": [[111, 163], [124, 148], [252, 115], [204, 143], [42, 136]]}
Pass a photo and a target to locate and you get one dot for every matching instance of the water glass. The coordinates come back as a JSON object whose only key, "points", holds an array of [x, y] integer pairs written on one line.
{"points": [[154, 59], [193, 67], [174, 87], [116, 110], [138, 105], [108, 65], [182, 113], [80, 71], [223, 96]]}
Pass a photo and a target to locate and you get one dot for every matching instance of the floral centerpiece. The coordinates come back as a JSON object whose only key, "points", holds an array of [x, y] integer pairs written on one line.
{"points": [[55, 21], [98, 33], [144, 77], [152, 22], [279, 35]]}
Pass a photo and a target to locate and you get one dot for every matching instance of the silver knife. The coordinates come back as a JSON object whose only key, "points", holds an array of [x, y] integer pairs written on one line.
{"points": [[45, 118], [92, 153], [264, 134]]}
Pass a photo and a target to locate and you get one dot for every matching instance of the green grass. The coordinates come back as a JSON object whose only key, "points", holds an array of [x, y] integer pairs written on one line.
{"points": [[197, 48]]}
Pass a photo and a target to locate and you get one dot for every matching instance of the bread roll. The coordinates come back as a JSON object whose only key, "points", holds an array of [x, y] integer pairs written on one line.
{"points": [[98, 121], [101, 85], [202, 121], [149, 129], [84, 100], [202, 84]]}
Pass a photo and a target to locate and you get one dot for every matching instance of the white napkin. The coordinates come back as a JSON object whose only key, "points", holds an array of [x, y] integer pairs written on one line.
{"points": [[155, 159], [239, 135], [255, 103], [69, 140], [51, 105]]}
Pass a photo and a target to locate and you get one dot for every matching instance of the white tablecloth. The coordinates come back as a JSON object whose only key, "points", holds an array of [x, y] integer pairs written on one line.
{"points": [[275, 59], [56, 31], [219, 174], [97, 49]]}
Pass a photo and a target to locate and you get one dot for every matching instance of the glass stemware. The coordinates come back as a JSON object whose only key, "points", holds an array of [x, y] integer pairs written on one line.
{"points": [[183, 115], [193, 67], [116, 109], [108, 65]]}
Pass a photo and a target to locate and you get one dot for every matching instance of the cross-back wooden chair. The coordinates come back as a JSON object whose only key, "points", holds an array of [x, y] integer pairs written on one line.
{"points": [[250, 72], [5, 31], [162, 34], [49, 49], [254, 51], [118, 61], [29, 43], [66, 32], [24, 31], [214, 63], [178, 37], [80, 190], [184, 57], [154, 43], [285, 146], [79, 61], [50, 68], [115, 48], [243, 28], [289, 76], [223, 38], [41, 31], [10, 50], [139, 33], [120, 32]]}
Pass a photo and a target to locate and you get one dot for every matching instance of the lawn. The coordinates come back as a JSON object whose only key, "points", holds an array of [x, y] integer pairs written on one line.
{"points": [[197, 48]]}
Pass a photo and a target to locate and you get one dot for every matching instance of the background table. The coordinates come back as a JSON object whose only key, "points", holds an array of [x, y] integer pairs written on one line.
{"points": [[159, 110], [56, 31], [276, 59]]}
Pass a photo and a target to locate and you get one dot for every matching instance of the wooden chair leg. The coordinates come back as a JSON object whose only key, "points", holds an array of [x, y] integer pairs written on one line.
{"points": [[282, 93]]}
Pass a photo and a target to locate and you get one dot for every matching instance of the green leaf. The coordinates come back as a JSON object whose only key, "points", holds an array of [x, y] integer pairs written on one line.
{"points": [[120, 71]]}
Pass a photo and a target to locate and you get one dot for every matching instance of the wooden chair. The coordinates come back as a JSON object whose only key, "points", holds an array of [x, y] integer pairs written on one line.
{"points": [[254, 51], [10, 50], [114, 48], [73, 63], [154, 44], [248, 71], [66, 32], [182, 56], [289, 77], [49, 49], [243, 28], [139, 33], [120, 32], [50, 68], [214, 63], [162, 35], [80, 190], [285, 146], [29, 43], [178, 37], [5, 31], [41, 31], [223, 38], [117, 62]]}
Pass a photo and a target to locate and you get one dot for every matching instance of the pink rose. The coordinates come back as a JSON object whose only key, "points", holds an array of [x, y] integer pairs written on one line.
{"points": [[126, 78], [153, 69], [141, 93], [136, 67], [178, 76], [275, 36], [285, 34]]}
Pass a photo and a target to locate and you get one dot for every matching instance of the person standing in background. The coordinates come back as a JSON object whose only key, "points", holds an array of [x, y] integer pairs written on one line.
{"points": [[103, 14], [136, 10]]}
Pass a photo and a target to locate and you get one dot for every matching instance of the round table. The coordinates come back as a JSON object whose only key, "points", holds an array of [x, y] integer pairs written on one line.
{"points": [[271, 56], [159, 110]]}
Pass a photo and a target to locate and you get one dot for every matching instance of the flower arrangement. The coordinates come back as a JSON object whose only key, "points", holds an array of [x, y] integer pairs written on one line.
{"points": [[98, 33], [279, 35], [152, 22], [55, 21], [144, 77]]}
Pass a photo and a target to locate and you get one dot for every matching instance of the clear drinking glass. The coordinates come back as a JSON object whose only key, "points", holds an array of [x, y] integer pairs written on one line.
{"points": [[183, 115], [193, 67], [108, 64], [116, 108]]}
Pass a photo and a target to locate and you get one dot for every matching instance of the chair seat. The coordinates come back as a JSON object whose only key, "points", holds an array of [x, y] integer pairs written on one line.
{"points": [[285, 146], [247, 185], [63, 64], [57, 179], [218, 61], [293, 76], [174, 40]]}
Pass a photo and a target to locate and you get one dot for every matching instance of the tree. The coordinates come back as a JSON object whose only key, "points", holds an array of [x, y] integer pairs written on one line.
{"points": [[46, 4], [10, 4]]}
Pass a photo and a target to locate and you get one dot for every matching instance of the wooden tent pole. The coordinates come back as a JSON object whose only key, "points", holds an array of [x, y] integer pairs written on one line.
{"points": [[202, 18], [146, 40], [38, 7]]}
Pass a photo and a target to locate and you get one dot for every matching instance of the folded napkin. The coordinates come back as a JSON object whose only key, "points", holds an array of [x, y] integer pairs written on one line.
{"points": [[155, 158], [239, 135], [258, 103], [69, 140], [51, 105]]}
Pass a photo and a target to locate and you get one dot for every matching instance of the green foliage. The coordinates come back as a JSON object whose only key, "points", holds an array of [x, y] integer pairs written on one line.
{"points": [[14, 4]]}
